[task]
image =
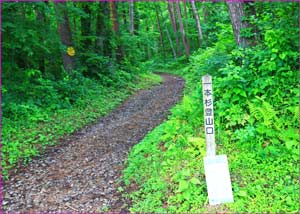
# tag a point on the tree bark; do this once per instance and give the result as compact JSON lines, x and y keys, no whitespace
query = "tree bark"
{"x":86,"y":25}
{"x":115,"y":22}
{"x":174,"y":26}
{"x":184,"y":39}
{"x":64,"y":33}
{"x":170,"y":41}
{"x":103,"y":32}
{"x":136,"y":19}
{"x":114,"y":17}
{"x":131,"y":14}
{"x":44,"y":24}
{"x":236,"y":11}
{"x":205,"y":13}
{"x":124,"y":14}
{"x":185,"y":17}
{"x":168,"y":35}
{"x":196,"y":15}
{"x":160,"y":31}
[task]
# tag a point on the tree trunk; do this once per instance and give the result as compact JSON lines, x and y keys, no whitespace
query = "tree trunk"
{"x":114,"y":17}
{"x":160,"y":31}
{"x":124,"y":14}
{"x":41,"y":18}
{"x":168,"y":35}
{"x":136,"y":19}
{"x":186,"y":22}
{"x":131,"y":14}
{"x":195,"y":11}
{"x":205,"y":13}
{"x":64,"y":33}
{"x":86,"y":26}
{"x":236,"y":11}
{"x":115,"y":22}
{"x":149,"y":54}
{"x":171,"y":43}
{"x":184,"y":39}
{"x":174,"y":26}
{"x":103,"y":32}
{"x":185,"y":17}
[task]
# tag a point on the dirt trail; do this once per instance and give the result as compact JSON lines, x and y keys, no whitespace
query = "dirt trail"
{"x":82,"y":172}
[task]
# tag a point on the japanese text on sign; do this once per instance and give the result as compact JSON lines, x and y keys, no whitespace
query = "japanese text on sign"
{"x":208,"y":114}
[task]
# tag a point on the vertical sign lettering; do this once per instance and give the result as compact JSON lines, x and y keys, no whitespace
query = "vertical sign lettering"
{"x":215,"y":166}
{"x":208,"y":115}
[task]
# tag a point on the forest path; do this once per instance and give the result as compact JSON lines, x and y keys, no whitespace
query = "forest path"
{"x":82,"y":172}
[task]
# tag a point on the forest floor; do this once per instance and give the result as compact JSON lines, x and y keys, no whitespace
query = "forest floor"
{"x":82,"y":172}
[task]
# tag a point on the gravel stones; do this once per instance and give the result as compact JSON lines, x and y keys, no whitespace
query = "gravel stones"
{"x":81,"y":173}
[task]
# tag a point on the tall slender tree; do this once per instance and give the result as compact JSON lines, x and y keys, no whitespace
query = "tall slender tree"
{"x":236,"y":11}
{"x":168,"y":33}
{"x":115,"y":23}
{"x":131,"y":14}
{"x":43,"y":22}
{"x":160,"y":30}
{"x":103,"y":31}
{"x":64,"y":33}
{"x":174,"y":26}
{"x":185,"y":16}
{"x":184,"y":39}
{"x":86,"y":25}
{"x":198,"y":25}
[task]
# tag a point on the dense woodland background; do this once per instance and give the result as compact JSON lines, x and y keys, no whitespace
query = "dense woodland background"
{"x":65,"y":64}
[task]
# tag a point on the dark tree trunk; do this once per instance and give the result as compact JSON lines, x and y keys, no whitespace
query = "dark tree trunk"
{"x":205,"y":13}
{"x":168,"y":34}
{"x":149,"y":54}
{"x":41,"y":19}
{"x":184,"y":39}
{"x":64,"y":33}
{"x":136,"y":19}
{"x":236,"y":11}
{"x":185,"y":17}
{"x":195,"y":11}
{"x":131,"y":14}
{"x":115,"y":22}
{"x":114,"y":17}
{"x":103,"y":32}
{"x":86,"y":25}
{"x":159,"y":29}
{"x":124,"y":14}
{"x":174,"y":26}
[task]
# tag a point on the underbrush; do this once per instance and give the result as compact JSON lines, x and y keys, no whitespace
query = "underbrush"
{"x":256,"y":99}
{"x":49,"y":110}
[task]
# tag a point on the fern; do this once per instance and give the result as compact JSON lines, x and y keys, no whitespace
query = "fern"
{"x":264,"y":111}
{"x":254,"y":110}
{"x":268,"y":113}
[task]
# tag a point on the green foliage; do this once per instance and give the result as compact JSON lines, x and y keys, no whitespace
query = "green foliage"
{"x":256,"y":96}
{"x":256,"y":99}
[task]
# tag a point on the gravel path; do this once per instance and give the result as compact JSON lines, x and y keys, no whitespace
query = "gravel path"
{"x":82,"y":172}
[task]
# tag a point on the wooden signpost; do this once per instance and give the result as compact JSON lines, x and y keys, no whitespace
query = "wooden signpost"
{"x":216,"y":166}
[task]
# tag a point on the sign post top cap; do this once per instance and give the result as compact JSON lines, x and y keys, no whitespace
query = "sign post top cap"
{"x":206,"y":78}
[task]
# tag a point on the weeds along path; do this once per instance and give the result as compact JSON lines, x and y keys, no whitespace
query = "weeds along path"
{"x":81,"y":173}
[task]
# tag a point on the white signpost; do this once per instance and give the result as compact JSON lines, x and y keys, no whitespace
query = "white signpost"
{"x":216,"y":166}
